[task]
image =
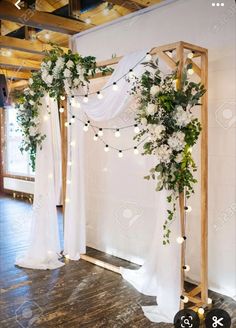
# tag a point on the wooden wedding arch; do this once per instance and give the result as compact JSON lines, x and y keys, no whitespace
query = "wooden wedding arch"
{"x":172,"y":54}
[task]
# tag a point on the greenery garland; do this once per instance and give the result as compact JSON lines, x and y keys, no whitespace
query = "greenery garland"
{"x":166,"y":115}
{"x":60,"y":73}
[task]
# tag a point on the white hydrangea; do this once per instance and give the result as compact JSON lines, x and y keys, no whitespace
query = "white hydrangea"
{"x":143,"y":121}
{"x":176,"y":141}
{"x":154,"y":90}
{"x":76,"y":82}
{"x":151,"y":109}
{"x":32,"y":93}
{"x":67,"y":73}
{"x":179,"y":158}
{"x":182,"y":117}
{"x":163,"y":153}
{"x":80,"y":70}
{"x":156,"y":131}
{"x":31,"y":102}
{"x":30,"y":81}
{"x":70,"y":64}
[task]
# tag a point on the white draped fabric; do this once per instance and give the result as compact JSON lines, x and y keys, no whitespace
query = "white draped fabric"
{"x":44,"y":246}
{"x":99,"y":183}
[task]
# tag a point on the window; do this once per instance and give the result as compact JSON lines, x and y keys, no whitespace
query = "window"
{"x":16,"y":163}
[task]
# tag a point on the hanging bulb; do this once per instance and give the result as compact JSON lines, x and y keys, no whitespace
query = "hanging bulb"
{"x":95,"y":138}
{"x":186,"y":268}
{"x":209,"y":301}
{"x":120,"y":154}
{"x":117,"y":133}
{"x":180,"y":240}
{"x":184,"y":299}
{"x":136,"y":128}
{"x":72,"y":120}
{"x":85,"y":128}
{"x":115,"y":86}
{"x":188,"y":209}
{"x":62,"y":97}
{"x":171,"y":53}
{"x":88,"y":122}
{"x":61,"y":109}
{"x":136,"y":152}
{"x":99,"y":95}
{"x":190,"y":71}
{"x":66,"y":124}
{"x":190,"y":55}
{"x":85,"y":99}
{"x":88,"y":20}
{"x":106,"y":148}
{"x":201,"y":311}
{"x":100,"y":132}
{"x":148,"y":56}
{"x":131,"y":74}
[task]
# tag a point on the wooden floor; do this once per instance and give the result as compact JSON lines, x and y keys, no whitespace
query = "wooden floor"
{"x":76,"y":295}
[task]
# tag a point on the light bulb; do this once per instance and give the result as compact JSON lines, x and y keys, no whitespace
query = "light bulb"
{"x":131,"y":74}
{"x":88,"y":20}
{"x":148,"y":56}
{"x":95,"y":138}
{"x":68,"y":181}
{"x":72,"y":143}
{"x":67,"y":256}
{"x":180,"y":240}
{"x":136,"y":128}
{"x":85,"y":128}
{"x":62,"y":97}
{"x":186,"y":268}
{"x":171,"y":53}
{"x":99,"y":95}
{"x":120,"y":154}
{"x":201,"y":311}
{"x":61,"y":109}
{"x":117,"y":133}
{"x":100,"y":132}
{"x":188,"y":209}
{"x":85,"y":98}
{"x":136,"y":152}
{"x":190,"y":71}
{"x":106,"y":148}
{"x":209,"y":301}
{"x":72,"y":120}
{"x":115,"y":86}
{"x":69,"y":163}
{"x":190,"y":55}
{"x":184,"y":299}
{"x":66,"y":124}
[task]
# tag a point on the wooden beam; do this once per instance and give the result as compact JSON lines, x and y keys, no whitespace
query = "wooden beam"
{"x":17,"y":62}
{"x":18,"y":85}
{"x":36,"y":47}
{"x":130,"y":5}
{"x":40,"y":20}
{"x":11,"y":74}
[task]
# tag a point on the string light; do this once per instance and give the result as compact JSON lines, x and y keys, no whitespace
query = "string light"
{"x":61,"y":109}
{"x":190,"y":55}
{"x":100,"y":132}
{"x":120,"y":154}
{"x":188,"y":209}
{"x":184,"y":299}
{"x":88,"y":20}
{"x":95,"y":138}
{"x":62,"y":97}
{"x":209,"y":301}
{"x":117,"y":133}
{"x":148,"y":56}
{"x":186,"y":268}
{"x":85,"y":128}
{"x":201,"y":311}
{"x":136,"y":128}
{"x":85,"y":99}
{"x":99,"y":95}
{"x":115,"y":86}
{"x":72,"y":119}
{"x":136,"y":152}
{"x":66,"y":124}
{"x":106,"y":148}
{"x":131,"y":74}
{"x":180,"y":240}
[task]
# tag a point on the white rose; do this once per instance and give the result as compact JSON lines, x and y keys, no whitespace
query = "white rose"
{"x":179,"y":158}
{"x":33,"y":131}
{"x":31,"y":102}
{"x":30,"y":81}
{"x":154,"y":89}
{"x":182,"y":117}
{"x":143,"y":121}
{"x":49,"y":79}
{"x":49,"y":63}
{"x":163,"y":153}
{"x":31,"y":93}
{"x":67,"y":73}
{"x":151,"y":109}
{"x":69,"y":64}
{"x":176,"y":141}
{"x":76,"y":81}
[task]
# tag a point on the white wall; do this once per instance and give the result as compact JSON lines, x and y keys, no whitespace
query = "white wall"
{"x":194,"y":21}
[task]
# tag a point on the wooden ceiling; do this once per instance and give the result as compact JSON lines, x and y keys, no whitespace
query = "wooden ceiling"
{"x":26,"y":32}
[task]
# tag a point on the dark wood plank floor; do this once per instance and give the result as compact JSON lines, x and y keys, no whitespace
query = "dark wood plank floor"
{"x":76,"y":295}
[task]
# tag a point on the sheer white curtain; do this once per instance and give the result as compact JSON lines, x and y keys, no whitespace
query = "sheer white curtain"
{"x":44,"y":246}
{"x":99,"y":185}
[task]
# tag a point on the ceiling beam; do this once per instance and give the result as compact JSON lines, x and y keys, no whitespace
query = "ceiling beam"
{"x":18,"y":85}
{"x":17,"y":62}
{"x":39,"y":19}
{"x":11,"y":74}
{"x":36,"y":47}
{"x":130,"y":5}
